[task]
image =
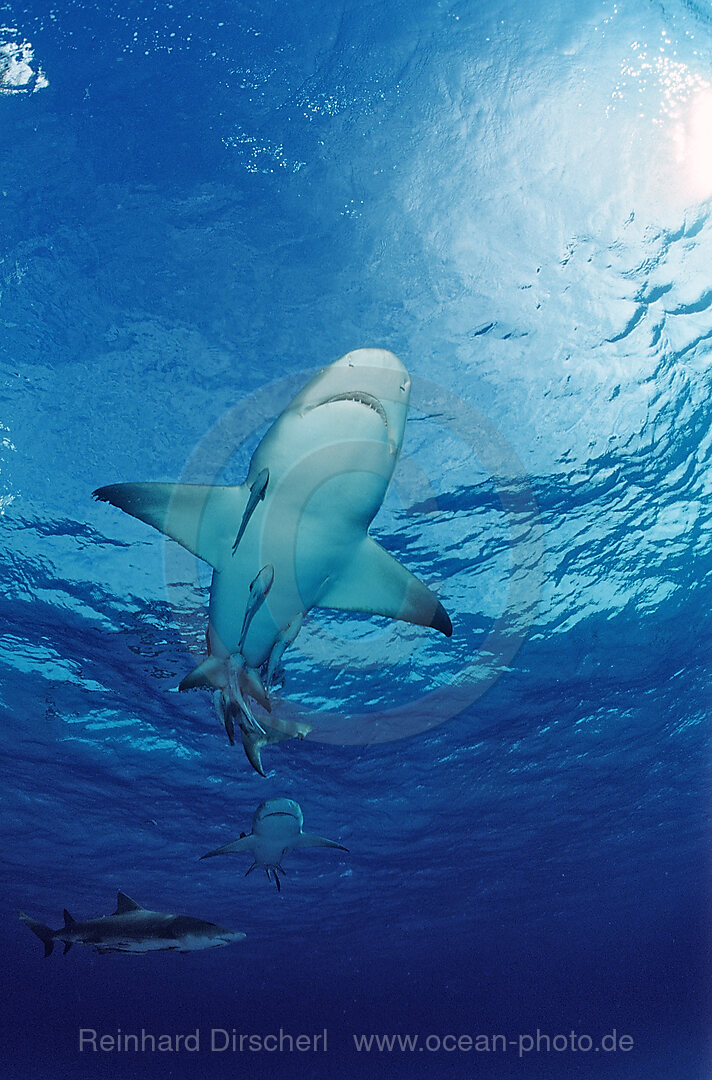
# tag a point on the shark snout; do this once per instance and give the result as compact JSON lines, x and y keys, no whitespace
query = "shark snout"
{"x":230,"y":936}
{"x":374,"y":359}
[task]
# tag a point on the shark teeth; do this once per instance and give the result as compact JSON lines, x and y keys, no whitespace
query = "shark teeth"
{"x":360,"y":397}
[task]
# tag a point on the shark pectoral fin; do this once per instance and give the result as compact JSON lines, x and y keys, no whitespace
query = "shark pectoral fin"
{"x":200,"y":517}
{"x":211,"y":673}
{"x":243,"y":844}
{"x":309,"y":840}
{"x":376,"y":583}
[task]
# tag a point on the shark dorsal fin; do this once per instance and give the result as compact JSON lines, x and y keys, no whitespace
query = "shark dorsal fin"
{"x":124,"y":903}
{"x":68,"y":920}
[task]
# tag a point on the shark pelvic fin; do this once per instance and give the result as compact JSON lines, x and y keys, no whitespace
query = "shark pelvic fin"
{"x":214,"y":673}
{"x":67,"y":947}
{"x":210,"y":673}
{"x":125,"y":904}
{"x":200,"y":517}
{"x":376,"y":583}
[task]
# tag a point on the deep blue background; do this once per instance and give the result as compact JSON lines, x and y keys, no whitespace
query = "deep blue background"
{"x":512,"y":197}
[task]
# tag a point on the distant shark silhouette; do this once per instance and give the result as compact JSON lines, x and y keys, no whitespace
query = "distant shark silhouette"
{"x":276,"y":830}
{"x":133,"y":929}
{"x":294,"y":535}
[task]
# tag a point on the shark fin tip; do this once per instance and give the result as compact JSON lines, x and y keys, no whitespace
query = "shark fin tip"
{"x":441,"y":621}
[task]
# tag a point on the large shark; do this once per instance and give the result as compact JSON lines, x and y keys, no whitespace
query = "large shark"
{"x":133,"y":929}
{"x":295,"y":534}
{"x":276,"y":830}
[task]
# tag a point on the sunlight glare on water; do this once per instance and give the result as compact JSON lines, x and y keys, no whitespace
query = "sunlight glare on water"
{"x":672,"y":100}
{"x":694,"y":144}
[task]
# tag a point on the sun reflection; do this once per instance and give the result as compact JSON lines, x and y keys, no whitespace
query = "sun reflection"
{"x":677,"y":99}
{"x":693,"y":137}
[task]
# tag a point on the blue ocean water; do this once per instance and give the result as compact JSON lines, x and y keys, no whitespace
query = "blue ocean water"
{"x":201,"y":204}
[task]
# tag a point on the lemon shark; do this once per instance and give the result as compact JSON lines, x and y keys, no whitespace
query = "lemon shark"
{"x":276,"y":830}
{"x":295,"y":535}
{"x":134,"y":929}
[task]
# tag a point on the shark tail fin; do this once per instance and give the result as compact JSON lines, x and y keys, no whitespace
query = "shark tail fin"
{"x":202,"y":518}
{"x":43,"y":932}
{"x":309,"y":840}
{"x":252,"y":744}
{"x":243,"y":844}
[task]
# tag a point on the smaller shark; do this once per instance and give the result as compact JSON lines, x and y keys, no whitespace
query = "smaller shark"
{"x":134,"y":929}
{"x":276,"y":830}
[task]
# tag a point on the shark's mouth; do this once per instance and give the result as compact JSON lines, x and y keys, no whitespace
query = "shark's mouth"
{"x":361,"y":398}
{"x":280,"y":813}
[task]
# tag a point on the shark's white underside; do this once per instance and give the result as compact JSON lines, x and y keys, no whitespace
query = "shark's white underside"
{"x":295,"y":534}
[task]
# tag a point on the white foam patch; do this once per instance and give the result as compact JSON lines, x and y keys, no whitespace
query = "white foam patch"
{"x":19,"y":73}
